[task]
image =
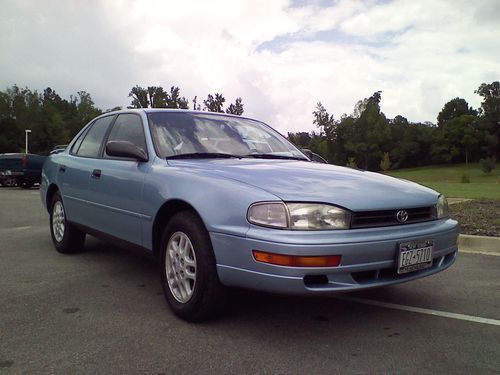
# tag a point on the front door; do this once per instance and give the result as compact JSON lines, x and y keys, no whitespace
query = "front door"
{"x":115,"y":185}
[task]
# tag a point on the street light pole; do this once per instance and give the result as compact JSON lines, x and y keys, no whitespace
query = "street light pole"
{"x":26,"y":132}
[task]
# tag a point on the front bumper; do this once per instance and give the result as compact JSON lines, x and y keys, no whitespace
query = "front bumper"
{"x":368,"y":257}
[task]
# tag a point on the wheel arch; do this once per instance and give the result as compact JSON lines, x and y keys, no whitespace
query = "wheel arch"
{"x":52,"y":189}
{"x":163,"y":216}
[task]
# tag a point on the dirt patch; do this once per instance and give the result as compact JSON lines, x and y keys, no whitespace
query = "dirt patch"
{"x":478,"y":217}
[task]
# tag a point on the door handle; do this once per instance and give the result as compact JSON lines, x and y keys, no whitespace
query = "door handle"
{"x":96,"y":173}
{"x":62,"y":168}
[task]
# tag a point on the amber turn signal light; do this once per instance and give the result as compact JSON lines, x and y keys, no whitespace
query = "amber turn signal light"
{"x":296,"y":260}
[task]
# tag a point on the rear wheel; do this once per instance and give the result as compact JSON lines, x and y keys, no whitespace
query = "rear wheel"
{"x":10,"y":182}
{"x":188,"y":272}
{"x":66,"y":237}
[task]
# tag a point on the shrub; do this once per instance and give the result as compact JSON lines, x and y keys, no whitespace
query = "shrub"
{"x":487,"y":165}
{"x":351,"y":163}
{"x":385,"y":163}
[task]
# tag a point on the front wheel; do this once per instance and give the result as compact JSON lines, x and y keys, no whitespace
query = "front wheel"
{"x":188,"y":271}
{"x":25,"y":184}
{"x":66,"y":237}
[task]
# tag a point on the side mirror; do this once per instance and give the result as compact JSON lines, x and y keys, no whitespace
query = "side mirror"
{"x":307,"y":152}
{"x":318,"y":158}
{"x":126,"y":149}
{"x":314,"y":156}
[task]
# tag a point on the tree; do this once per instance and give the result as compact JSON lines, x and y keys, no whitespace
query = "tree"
{"x":454,"y":108}
{"x":463,"y":136}
{"x":324,"y":121}
{"x":236,"y":109}
{"x":214,"y":104}
{"x":300,"y":139}
{"x":196,"y":106}
{"x":371,"y":132}
{"x":86,"y":107}
{"x":490,"y":117}
{"x":10,"y":135}
{"x":52,"y":119}
{"x":174,"y":100}
{"x":157,"y":97}
{"x":139,"y":97}
{"x":325,"y":142}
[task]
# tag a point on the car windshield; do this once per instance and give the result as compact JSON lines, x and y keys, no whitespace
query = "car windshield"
{"x":205,"y":135}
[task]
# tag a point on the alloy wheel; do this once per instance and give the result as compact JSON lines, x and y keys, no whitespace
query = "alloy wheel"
{"x":180,"y":267}
{"x":58,"y":221}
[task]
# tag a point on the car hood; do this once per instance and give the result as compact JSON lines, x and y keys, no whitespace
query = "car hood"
{"x":313,"y":182}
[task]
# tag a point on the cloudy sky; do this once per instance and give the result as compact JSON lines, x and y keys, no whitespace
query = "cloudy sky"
{"x":280,"y":56}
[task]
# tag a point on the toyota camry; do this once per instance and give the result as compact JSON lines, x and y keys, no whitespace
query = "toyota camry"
{"x":226,"y":201}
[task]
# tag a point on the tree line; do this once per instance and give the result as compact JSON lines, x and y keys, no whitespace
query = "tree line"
{"x":51,"y":119}
{"x":367,"y":139}
{"x":157,"y":97}
{"x":54,"y":120}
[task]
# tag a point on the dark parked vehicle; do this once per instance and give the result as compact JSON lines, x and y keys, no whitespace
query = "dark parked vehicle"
{"x":23,"y":170}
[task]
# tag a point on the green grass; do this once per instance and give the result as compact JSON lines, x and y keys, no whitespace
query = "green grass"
{"x":447,"y":180}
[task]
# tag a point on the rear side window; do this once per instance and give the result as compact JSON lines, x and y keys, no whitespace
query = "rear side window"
{"x":128,"y":127}
{"x":78,"y":142}
{"x":91,"y":144}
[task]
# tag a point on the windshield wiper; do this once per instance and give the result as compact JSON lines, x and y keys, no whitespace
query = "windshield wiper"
{"x":275,"y":156}
{"x":204,"y":155}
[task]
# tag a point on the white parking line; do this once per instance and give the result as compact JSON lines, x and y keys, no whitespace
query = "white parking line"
{"x":444,"y":314}
{"x":479,"y":252}
{"x":15,"y":229}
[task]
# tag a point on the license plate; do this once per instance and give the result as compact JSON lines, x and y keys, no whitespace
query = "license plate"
{"x":415,"y":255}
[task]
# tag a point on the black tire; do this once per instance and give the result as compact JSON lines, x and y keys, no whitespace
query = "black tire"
{"x":25,"y":184}
{"x":9,"y":182}
{"x":207,"y":295}
{"x":70,"y":240}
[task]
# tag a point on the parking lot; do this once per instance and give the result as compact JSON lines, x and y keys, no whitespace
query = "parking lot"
{"x":102,"y":311}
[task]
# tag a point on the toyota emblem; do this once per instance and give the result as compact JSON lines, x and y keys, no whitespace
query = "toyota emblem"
{"x":402,"y":216}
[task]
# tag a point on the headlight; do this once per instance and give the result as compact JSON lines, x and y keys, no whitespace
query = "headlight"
{"x":299,"y":216}
{"x":442,"y":207}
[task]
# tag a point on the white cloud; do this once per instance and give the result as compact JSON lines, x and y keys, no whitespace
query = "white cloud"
{"x":420,"y":54}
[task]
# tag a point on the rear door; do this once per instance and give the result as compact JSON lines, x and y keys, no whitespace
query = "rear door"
{"x":75,"y":168}
{"x":115,"y":187}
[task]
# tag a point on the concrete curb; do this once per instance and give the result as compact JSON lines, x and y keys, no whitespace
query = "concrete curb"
{"x":479,"y":244}
{"x":458,"y":200}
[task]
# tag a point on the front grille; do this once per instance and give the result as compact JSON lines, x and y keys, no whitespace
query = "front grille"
{"x":373,"y":219}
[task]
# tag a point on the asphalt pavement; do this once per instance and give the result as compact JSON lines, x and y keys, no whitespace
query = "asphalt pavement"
{"x":103,"y":311}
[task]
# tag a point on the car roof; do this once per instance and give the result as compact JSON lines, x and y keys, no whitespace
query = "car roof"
{"x":175,"y":110}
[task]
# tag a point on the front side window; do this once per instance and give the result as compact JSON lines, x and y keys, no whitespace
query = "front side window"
{"x":128,"y":127}
{"x":192,"y":133}
{"x":91,"y":144}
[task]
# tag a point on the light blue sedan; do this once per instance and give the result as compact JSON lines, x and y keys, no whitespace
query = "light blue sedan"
{"x":226,"y":201}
